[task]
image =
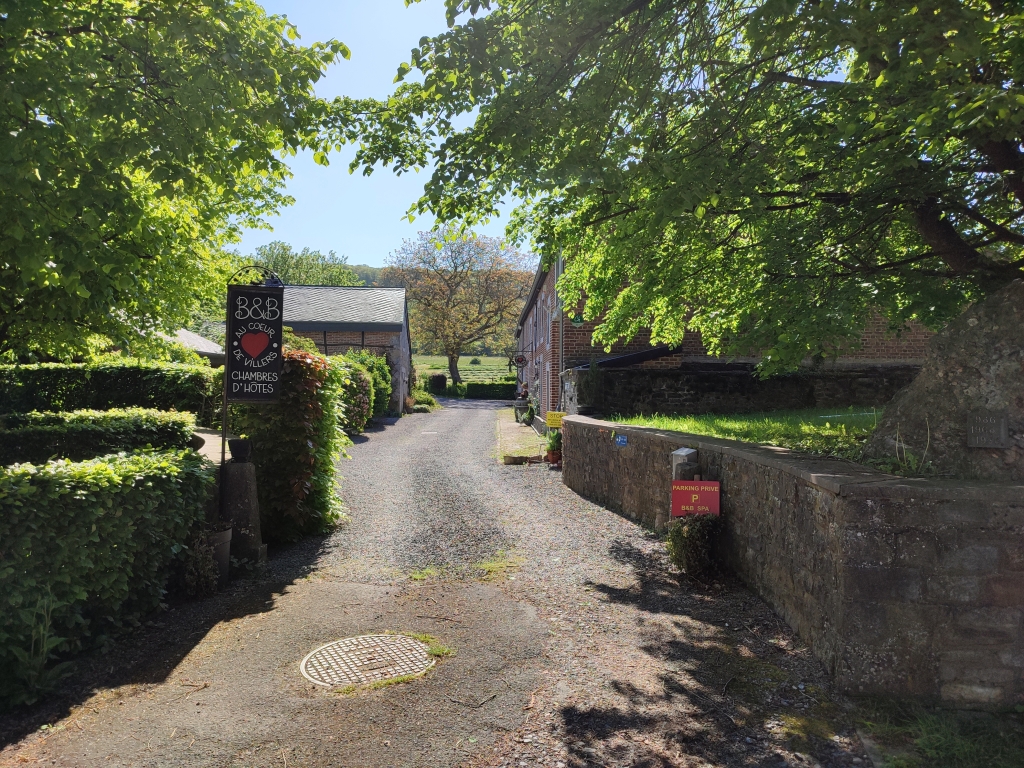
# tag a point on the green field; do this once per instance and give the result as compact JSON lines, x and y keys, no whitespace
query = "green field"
{"x":827,"y":431}
{"x":490,"y":368}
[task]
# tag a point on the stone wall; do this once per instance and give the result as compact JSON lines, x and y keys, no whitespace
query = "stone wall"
{"x":900,"y":586}
{"x":723,"y":388}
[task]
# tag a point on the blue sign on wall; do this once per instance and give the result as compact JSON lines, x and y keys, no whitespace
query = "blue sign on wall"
{"x":620,"y":441}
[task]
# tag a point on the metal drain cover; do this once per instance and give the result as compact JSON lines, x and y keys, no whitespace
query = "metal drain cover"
{"x":366,"y":659}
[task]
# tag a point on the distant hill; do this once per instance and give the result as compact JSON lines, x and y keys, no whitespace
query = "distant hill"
{"x":371,"y":276}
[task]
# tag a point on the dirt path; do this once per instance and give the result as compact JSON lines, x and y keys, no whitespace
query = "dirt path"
{"x":575,"y":643}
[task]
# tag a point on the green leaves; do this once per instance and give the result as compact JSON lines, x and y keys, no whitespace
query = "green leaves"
{"x":748,"y":169}
{"x":136,"y":139}
{"x":74,"y":571}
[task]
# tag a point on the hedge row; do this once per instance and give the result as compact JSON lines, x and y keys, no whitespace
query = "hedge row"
{"x":100,"y":386}
{"x":85,"y":549}
{"x":296,"y":442}
{"x":380,"y":371}
{"x":356,"y":394}
{"x":490,"y":391}
{"x":37,"y":437}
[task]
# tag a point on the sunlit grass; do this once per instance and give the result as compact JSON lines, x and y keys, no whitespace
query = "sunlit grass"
{"x":822,"y":431}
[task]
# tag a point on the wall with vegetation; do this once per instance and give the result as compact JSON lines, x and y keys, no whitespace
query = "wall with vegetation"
{"x":911,"y":587}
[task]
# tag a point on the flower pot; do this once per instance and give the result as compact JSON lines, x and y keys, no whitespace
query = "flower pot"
{"x":241,"y":449}
{"x":553,"y":457}
{"x":220,"y":541}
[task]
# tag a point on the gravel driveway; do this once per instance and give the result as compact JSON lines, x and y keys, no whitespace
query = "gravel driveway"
{"x":576,"y":644}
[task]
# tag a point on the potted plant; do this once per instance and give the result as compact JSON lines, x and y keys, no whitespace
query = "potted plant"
{"x":554,"y":454}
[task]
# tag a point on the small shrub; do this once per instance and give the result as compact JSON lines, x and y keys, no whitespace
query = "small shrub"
{"x":296,"y":443}
{"x":490,"y":390}
{"x":691,"y":542}
{"x":299,"y":343}
{"x":554,"y":440}
{"x":438,"y":383}
{"x":85,"y":550}
{"x":424,"y":398}
{"x":78,"y":435}
{"x":380,"y":371}
{"x":422,"y":409}
{"x":115,"y":383}
{"x":357,"y":395}
{"x":456,"y":390}
{"x":200,"y":570}
{"x":475,"y":361}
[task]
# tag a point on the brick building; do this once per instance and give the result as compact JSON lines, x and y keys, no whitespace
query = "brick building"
{"x":555,"y":340}
{"x":339,"y":319}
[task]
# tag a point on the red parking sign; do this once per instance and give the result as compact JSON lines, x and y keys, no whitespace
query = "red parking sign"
{"x":695,"y":497}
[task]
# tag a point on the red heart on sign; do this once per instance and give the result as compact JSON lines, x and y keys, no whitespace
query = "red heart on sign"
{"x":254,"y":343}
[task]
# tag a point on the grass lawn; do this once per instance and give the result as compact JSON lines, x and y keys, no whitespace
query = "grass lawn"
{"x":490,"y":368}
{"x":823,"y":431}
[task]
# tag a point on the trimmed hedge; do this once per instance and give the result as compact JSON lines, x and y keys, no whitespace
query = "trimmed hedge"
{"x":490,"y":391}
{"x":380,"y":371}
{"x":357,"y":395}
{"x":114,"y":384}
{"x":85,"y":550}
{"x":296,"y":443}
{"x":455,"y":390}
{"x":437,"y":383}
{"x":78,"y":435}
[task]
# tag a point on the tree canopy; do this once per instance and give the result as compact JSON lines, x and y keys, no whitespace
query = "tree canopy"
{"x":462,"y":288}
{"x":305,"y":267}
{"x":137,"y":137}
{"x":768,"y":172}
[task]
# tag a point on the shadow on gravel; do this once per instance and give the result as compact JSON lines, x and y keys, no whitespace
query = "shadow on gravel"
{"x":730,"y":674}
{"x":150,"y":654}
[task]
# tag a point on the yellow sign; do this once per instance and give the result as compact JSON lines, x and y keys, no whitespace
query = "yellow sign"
{"x":554,"y":419}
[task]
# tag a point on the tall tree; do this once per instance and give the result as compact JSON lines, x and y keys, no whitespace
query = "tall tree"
{"x":305,"y":267}
{"x":136,"y":138}
{"x":463,"y":287}
{"x":768,"y":172}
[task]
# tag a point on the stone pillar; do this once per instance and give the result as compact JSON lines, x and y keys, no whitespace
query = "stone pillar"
{"x":242,"y":510}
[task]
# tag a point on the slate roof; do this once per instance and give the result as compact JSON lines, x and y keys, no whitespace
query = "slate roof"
{"x":194,"y":341}
{"x":330,"y":308}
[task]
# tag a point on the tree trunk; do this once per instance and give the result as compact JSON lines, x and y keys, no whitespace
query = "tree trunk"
{"x":453,"y":367}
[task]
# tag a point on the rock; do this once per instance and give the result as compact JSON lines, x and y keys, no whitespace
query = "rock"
{"x":974,"y":366}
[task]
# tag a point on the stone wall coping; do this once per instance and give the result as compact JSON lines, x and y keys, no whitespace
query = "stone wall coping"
{"x":844,"y":478}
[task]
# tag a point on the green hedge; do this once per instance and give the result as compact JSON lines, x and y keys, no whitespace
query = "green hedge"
{"x":380,"y":371}
{"x":357,"y":395}
{"x":114,"y":384}
{"x":85,"y":549}
{"x":455,"y":390}
{"x":490,"y":391}
{"x":78,"y":435}
{"x":296,"y":443}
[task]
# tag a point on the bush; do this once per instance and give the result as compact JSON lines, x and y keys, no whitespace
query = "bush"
{"x":437,"y":383}
{"x":296,"y":442}
{"x":78,"y":435}
{"x":85,"y":550}
{"x":420,"y":397}
{"x":475,"y":361}
{"x":455,"y":390}
{"x":357,"y":395}
{"x":490,"y":391}
{"x":380,"y":371}
{"x":110,"y":384}
{"x":691,"y":542}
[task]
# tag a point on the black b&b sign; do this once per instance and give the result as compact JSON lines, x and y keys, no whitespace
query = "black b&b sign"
{"x":253,"y":342}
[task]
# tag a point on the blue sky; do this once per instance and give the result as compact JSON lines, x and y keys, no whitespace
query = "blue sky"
{"x":361,"y":217}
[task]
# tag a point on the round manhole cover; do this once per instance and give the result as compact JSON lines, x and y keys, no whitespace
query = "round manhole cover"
{"x":366,"y":659}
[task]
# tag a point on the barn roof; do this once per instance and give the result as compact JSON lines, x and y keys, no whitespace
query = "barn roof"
{"x":333,"y":308}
